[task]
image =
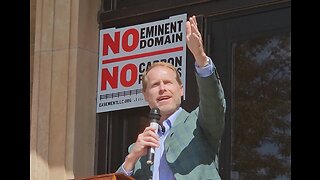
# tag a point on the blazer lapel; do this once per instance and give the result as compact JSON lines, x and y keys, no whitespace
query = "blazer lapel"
{"x":181,"y":117}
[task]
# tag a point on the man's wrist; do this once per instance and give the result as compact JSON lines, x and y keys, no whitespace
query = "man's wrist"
{"x":129,"y":162}
{"x":202,"y":60}
{"x":207,"y":70}
{"x":123,"y":170}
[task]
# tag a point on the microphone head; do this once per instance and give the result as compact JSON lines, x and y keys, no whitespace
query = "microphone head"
{"x":154,"y":114}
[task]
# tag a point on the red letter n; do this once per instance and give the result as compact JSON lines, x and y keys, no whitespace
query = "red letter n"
{"x":109,"y":42}
{"x":107,"y":77}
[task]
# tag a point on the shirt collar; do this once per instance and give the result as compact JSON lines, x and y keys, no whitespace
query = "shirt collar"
{"x":169,"y":122}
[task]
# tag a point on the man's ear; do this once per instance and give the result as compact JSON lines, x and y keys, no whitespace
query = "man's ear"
{"x":181,"y":90}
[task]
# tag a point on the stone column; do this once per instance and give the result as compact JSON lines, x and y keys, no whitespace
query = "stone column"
{"x":64,"y":81}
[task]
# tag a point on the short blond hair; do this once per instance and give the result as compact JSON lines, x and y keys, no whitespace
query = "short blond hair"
{"x":164,"y":64}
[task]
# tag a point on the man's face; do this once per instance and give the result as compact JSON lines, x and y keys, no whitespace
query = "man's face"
{"x":163,"y":91}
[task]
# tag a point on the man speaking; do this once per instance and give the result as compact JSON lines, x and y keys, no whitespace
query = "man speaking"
{"x":186,"y":144}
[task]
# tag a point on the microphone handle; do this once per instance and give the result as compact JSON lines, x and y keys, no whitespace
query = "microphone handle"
{"x":151,"y":150}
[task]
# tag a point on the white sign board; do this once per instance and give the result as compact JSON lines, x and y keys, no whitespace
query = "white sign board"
{"x":125,"y":54}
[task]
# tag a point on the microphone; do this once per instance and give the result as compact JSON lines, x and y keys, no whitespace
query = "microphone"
{"x":154,"y":117}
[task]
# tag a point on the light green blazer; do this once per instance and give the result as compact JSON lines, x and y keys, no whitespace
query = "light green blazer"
{"x":192,"y":144}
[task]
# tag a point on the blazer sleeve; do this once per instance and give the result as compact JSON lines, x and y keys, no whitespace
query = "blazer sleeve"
{"x":212,"y":107}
